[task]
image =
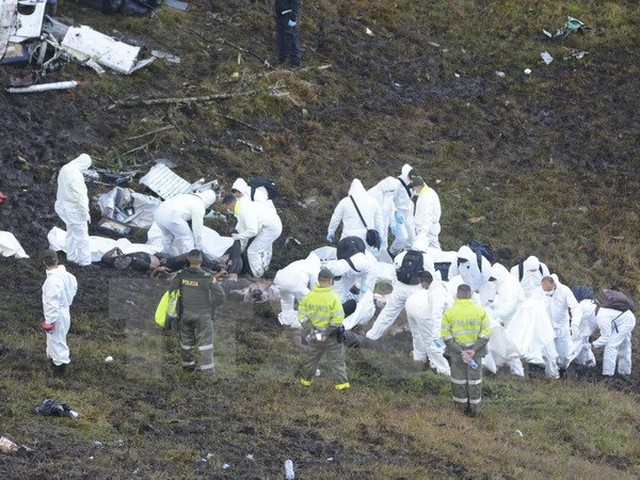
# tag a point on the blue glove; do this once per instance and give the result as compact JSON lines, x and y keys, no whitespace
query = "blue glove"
{"x":330,"y":237}
{"x":383,"y":241}
{"x":292,"y":23}
{"x":364,"y":289}
{"x":399,"y":217}
{"x":394,"y":230}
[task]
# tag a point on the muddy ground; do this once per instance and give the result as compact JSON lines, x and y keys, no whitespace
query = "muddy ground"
{"x":397,"y":100}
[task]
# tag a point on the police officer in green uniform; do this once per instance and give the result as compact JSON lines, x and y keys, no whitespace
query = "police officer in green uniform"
{"x":200,"y":292}
{"x":465,"y":331}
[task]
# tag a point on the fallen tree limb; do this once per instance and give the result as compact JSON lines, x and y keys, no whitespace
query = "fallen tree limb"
{"x":157,"y":130}
{"x":248,"y":125}
{"x":178,"y":100}
{"x":224,"y":41}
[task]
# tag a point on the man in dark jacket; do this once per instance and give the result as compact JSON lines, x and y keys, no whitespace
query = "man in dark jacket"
{"x":199,"y":294}
{"x":286,"y":31}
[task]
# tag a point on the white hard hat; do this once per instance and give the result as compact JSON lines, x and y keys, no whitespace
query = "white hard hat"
{"x":207,"y":196}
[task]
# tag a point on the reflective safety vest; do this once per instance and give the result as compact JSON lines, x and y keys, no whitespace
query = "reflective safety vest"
{"x":321,"y":307}
{"x":465,"y":321}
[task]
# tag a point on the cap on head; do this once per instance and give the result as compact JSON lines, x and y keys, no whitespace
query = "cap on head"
{"x":207,"y":196}
{"x":325,"y":274}
{"x":195,"y":253}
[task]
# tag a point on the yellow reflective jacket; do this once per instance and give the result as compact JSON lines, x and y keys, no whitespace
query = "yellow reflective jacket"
{"x":321,"y":307}
{"x":466,"y":323}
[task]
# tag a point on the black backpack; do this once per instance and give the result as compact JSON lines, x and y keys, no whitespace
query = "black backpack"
{"x":349,"y":246}
{"x":412,"y":265}
{"x":614,"y":299}
{"x":481,"y":249}
{"x":267,"y":183}
{"x":582,"y":292}
{"x":521,"y":270}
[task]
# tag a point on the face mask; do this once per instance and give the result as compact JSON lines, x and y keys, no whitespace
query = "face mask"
{"x":550,"y":293}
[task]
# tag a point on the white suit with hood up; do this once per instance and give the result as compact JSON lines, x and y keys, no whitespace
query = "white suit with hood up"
{"x":294,"y":282}
{"x":532,"y":272}
{"x":406,"y":232}
{"x":476,"y":277}
{"x":72,"y":206}
{"x":260,"y":222}
{"x":392,"y":198}
{"x":364,"y":275}
{"x":346,"y":213}
{"x":172,"y":216}
{"x":261,"y":194}
{"x":58,"y":292}
{"x":427,"y":215}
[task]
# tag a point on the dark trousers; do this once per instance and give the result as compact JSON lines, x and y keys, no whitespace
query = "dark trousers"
{"x":287,"y":41}
{"x":334,"y":352}
{"x":466,"y":385}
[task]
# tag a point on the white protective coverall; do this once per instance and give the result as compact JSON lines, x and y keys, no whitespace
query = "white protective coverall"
{"x":398,"y":298}
{"x":172,"y":216}
{"x":72,"y":206}
{"x":295,"y":281}
{"x":508,"y":299}
{"x":588,"y":327}
{"x":58,"y":291}
{"x":260,"y":222}
{"x":476,"y":277}
{"x":405,"y":232}
{"x":532,"y":272}
{"x":363,"y":274}
{"x":427,"y":215}
{"x":346,"y":213}
{"x":615,"y":336}
{"x":424,"y":315}
{"x":565,"y":314}
{"x":261,"y":194}
{"x":384,"y":193}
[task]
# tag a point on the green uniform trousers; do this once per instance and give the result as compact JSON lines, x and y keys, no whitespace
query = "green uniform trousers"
{"x":335,"y":357}
{"x":197,"y":330}
{"x":466,"y":385}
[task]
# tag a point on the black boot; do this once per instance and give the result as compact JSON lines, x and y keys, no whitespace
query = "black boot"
{"x":60,"y":370}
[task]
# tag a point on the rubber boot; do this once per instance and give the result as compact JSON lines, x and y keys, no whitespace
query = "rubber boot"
{"x":60,"y":370}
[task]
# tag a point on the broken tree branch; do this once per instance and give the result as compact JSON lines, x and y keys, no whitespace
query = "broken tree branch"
{"x":157,"y":130}
{"x":248,"y":125}
{"x":178,"y":100}
{"x":224,"y":41}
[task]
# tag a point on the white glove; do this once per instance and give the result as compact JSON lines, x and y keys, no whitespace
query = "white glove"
{"x":235,"y":236}
{"x":291,"y":23}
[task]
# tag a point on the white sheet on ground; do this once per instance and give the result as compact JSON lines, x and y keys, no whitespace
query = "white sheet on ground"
{"x":9,"y":246}
{"x":531,"y":331}
{"x":501,"y":349}
{"x":99,"y":245}
{"x":213,"y":244}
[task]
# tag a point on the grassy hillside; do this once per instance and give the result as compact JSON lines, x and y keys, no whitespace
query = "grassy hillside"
{"x":542,"y":163}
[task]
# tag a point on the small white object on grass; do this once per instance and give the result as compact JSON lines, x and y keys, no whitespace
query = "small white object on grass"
{"x":109,"y":359}
{"x":527,"y":71}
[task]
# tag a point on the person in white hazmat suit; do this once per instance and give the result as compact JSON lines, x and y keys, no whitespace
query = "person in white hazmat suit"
{"x":360,"y":270}
{"x":58,"y":292}
{"x":474,"y":275}
{"x":256,"y":221}
{"x":424,"y":315}
{"x":408,"y":283}
{"x":565,"y":314}
{"x":427,"y":213}
{"x":294,"y":282}
{"x":241,"y":188}
{"x":396,"y":207}
{"x":615,"y":336}
{"x":346,"y":213}
{"x":72,"y":206}
{"x":173,"y":215}
{"x":405,"y":234}
{"x":508,"y":299}
{"x":529,"y":273}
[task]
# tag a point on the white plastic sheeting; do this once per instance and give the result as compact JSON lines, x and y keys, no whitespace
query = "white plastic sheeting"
{"x":363,"y":313}
{"x":9,"y":246}
{"x":99,"y":245}
{"x":113,"y":204}
{"x":531,"y":331}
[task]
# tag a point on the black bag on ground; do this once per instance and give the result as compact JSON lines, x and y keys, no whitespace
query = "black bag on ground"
{"x":373,"y":239}
{"x":349,"y":246}
{"x":267,"y":183}
{"x":614,"y":299}
{"x":412,"y":264}
{"x":481,"y":249}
